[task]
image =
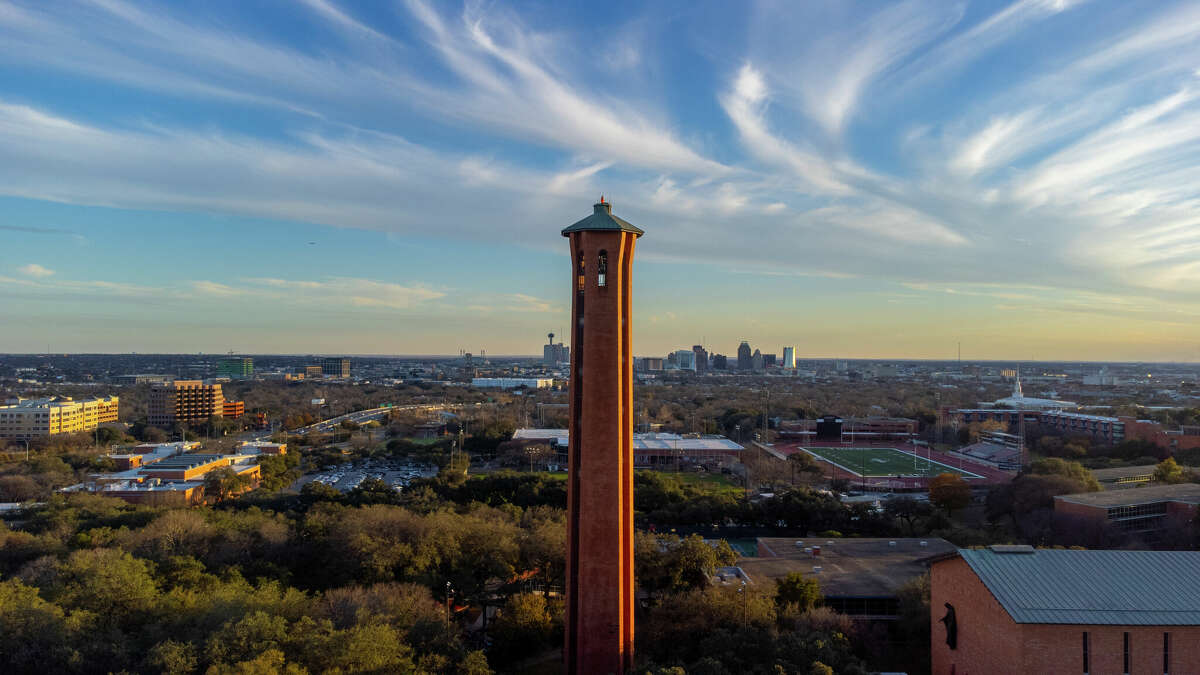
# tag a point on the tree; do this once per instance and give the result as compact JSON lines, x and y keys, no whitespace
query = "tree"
{"x":223,"y":482}
{"x":1168,"y":471}
{"x":523,"y":628}
{"x":803,"y":463}
{"x":798,"y":590}
{"x":949,"y":491}
{"x":909,"y":510}
{"x":1052,"y":466}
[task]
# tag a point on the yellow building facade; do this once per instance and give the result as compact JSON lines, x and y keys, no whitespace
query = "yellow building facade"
{"x":24,"y":419}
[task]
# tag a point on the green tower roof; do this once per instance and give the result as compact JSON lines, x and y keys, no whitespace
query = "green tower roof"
{"x":602,"y":219}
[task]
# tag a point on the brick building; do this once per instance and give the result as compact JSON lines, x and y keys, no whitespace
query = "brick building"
{"x":1105,"y":430}
{"x":1144,"y":513}
{"x":185,"y":401}
{"x":1014,"y":609}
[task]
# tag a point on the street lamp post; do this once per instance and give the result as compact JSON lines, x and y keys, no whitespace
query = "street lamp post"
{"x":447,"y":605}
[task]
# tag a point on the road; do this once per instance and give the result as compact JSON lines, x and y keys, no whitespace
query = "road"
{"x":359,"y":417}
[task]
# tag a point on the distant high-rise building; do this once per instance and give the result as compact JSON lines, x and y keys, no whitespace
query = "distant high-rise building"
{"x":335,"y":367}
{"x":652,"y":363}
{"x":186,"y":401}
{"x":312,"y":372}
{"x":685,"y":359}
{"x":789,"y":358}
{"x":756,"y":361}
{"x":555,"y":354}
{"x":701,"y":358}
{"x":744,"y":356}
{"x":720,"y":362}
{"x":768,"y":360}
{"x":236,"y":367}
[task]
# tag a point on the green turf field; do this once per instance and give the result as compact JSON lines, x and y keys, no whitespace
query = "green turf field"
{"x":884,"y":462}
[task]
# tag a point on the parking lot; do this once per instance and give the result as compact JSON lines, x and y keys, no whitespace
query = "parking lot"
{"x":397,"y":473}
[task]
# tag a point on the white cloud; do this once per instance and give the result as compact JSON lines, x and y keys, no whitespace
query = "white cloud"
{"x":1076,"y":167}
{"x":358,"y":292}
{"x":35,"y":270}
{"x":216,"y":289}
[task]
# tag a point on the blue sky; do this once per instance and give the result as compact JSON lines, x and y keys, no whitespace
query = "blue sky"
{"x":858,"y":179}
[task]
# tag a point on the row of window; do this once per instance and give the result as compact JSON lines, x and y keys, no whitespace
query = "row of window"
{"x":1137,"y":511}
{"x":1127,"y":657}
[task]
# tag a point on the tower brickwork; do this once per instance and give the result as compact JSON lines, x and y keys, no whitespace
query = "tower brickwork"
{"x":600,"y":584}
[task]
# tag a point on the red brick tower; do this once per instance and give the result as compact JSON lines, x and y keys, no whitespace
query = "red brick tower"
{"x":600,"y":591}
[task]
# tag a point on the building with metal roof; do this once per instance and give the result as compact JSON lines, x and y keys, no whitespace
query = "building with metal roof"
{"x":1016,"y":609}
{"x":651,"y":448}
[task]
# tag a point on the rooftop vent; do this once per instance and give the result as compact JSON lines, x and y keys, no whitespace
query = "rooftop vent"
{"x":1010,"y":549}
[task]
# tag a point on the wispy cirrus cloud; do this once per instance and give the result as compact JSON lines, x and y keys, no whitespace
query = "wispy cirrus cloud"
{"x":915,"y":142}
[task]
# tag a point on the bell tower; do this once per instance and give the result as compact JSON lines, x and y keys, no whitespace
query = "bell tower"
{"x":600,"y":590}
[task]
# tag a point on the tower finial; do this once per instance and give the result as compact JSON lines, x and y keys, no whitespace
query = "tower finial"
{"x":601,"y":199}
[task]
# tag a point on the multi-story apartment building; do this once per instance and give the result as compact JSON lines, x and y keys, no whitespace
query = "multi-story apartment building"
{"x":185,"y":401}
{"x":312,"y":372}
{"x":23,"y":419}
{"x":335,"y":367}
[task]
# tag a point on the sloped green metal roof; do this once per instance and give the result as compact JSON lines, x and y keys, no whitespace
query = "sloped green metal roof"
{"x":602,"y":219}
{"x":1135,"y":588}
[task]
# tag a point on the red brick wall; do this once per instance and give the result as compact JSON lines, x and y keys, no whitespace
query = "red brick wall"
{"x":1064,"y":507}
{"x":989,"y":641}
{"x":600,"y":583}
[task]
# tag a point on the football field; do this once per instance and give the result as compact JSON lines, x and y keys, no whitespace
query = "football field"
{"x":884,"y":463}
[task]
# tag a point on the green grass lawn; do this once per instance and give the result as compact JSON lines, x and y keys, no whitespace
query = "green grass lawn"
{"x":884,"y":462}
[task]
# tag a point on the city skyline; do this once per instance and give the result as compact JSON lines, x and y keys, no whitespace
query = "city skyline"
{"x":860,"y":182}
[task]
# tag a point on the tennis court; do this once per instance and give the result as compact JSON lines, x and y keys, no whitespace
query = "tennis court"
{"x":884,"y":462}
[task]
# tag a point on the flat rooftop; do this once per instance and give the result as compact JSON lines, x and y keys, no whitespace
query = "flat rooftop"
{"x":654,"y":440}
{"x":185,"y":461}
{"x":1123,"y":472}
{"x":852,"y":568}
{"x":1188,"y":493}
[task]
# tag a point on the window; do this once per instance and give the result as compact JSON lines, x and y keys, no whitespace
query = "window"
{"x":579,"y":272}
{"x":1166,"y":653}
{"x":1086,"y":665}
{"x":1126,"y":671}
{"x":602,"y":268}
